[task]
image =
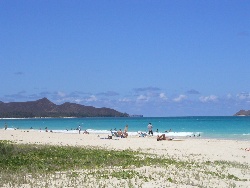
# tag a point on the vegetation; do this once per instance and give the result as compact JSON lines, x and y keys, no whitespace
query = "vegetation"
{"x":62,"y":166}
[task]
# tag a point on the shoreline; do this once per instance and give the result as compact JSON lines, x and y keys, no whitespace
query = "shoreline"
{"x":178,"y":135}
{"x":225,"y":149}
{"x":226,"y":128}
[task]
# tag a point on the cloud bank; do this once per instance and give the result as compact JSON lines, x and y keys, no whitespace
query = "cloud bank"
{"x":149,"y":101}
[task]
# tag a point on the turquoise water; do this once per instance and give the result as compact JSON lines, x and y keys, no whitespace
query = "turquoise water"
{"x":229,"y":127}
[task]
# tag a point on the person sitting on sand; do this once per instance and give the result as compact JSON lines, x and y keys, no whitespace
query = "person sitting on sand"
{"x":125,"y":132}
{"x":119,"y":133}
{"x":247,"y":149}
{"x":85,"y":132}
{"x":114,"y":133}
{"x":163,"y":137}
{"x":109,"y":137}
{"x":141,"y":134}
{"x":126,"y":128}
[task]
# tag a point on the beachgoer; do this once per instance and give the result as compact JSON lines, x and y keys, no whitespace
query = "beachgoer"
{"x":79,"y":129}
{"x":163,"y":137}
{"x":85,"y":132}
{"x":119,"y":133}
{"x":125,"y":132}
{"x":150,"y":129}
{"x":109,"y":137}
{"x":114,"y":133}
{"x":141,"y":134}
{"x":126,"y":128}
{"x":5,"y":126}
{"x":168,"y":131}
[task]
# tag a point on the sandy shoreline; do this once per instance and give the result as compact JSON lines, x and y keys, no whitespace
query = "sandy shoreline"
{"x":211,"y":149}
{"x":196,"y":149}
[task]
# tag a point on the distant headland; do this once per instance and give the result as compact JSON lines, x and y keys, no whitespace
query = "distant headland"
{"x":45,"y":108}
{"x":243,"y":113}
{"x":136,"y":115}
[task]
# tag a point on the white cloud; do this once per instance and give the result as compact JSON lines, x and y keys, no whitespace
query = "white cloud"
{"x":142,"y":98}
{"x":210,"y":98}
{"x":91,"y":98}
{"x":78,"y":100}
{"x":125,"y":100}
{"x":180,"y":98}
{"x":163,"y":96}
{"x":243,"y":96}
{"x":61,"y":94}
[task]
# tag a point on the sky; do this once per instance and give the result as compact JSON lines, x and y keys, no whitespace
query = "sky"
{"x":156,"y":58}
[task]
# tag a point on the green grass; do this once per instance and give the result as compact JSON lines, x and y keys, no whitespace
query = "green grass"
{"x":49,"y":158}
{"x":41,"y":158}
{"x":21,"y":162}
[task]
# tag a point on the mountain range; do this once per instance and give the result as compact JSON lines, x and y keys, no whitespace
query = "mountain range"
{"x":45,"y":108}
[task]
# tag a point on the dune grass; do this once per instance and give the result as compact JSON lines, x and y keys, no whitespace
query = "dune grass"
{"x":24,"y":163}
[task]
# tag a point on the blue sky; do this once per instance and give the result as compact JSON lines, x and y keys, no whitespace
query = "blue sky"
{"x":156,"y":58}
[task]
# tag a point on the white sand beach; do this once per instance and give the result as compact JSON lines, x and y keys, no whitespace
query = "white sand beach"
{"x":188,"y":149}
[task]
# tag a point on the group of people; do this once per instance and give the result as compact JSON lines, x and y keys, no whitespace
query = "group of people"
{"x":150,"y":131}
{"x":79,"y":130}
{"x":120,"y":133}
{"x":159,"y":137}
{"x":124,"y":133}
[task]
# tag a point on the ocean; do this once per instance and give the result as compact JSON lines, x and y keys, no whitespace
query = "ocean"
{"x":213,"y":127}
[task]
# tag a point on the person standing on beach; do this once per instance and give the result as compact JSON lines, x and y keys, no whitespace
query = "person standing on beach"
{"x":5,"y":126}
{"x":150,"y":129}
{"x":79,"y":129}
